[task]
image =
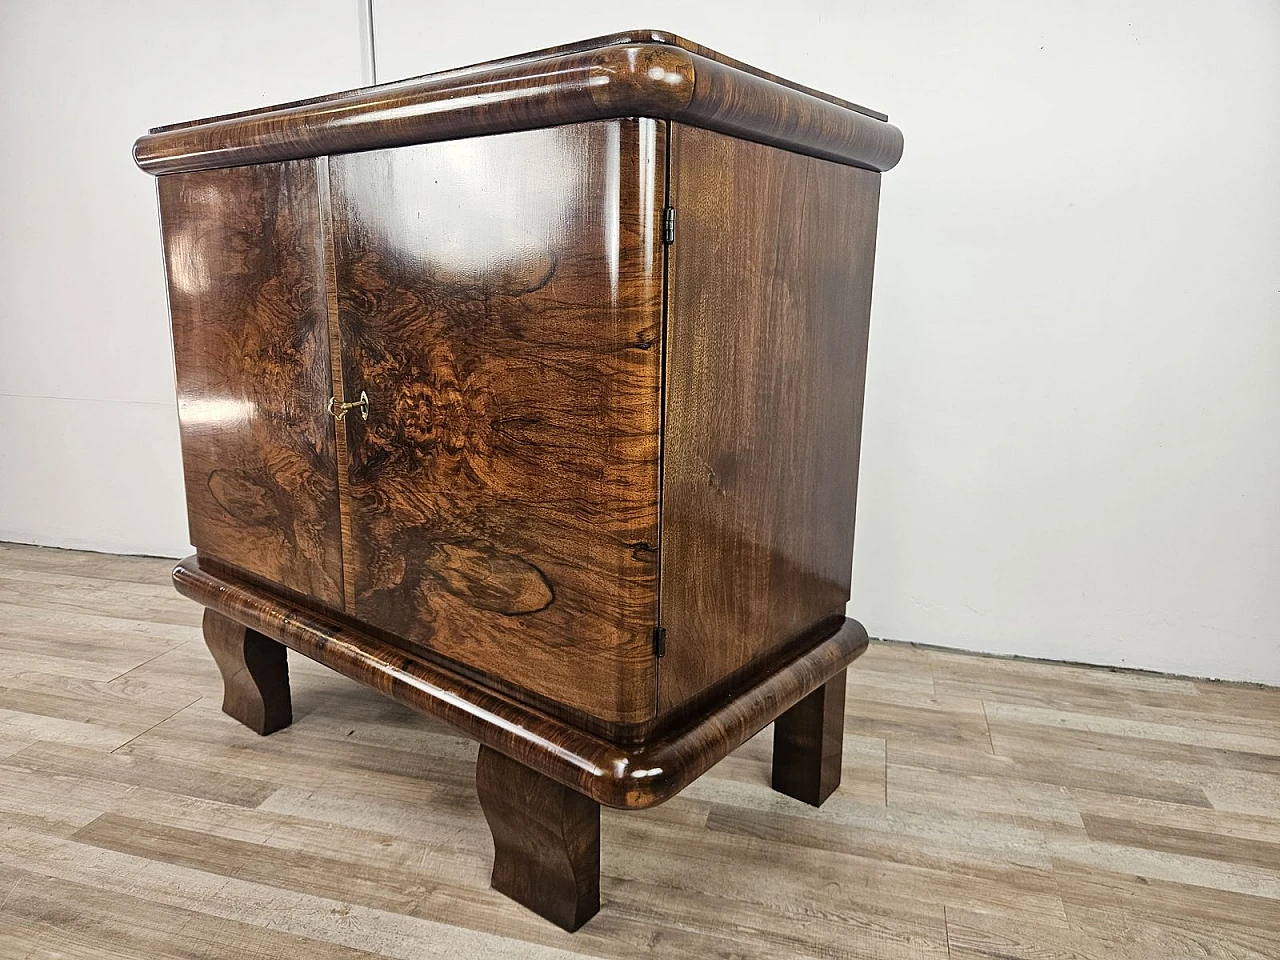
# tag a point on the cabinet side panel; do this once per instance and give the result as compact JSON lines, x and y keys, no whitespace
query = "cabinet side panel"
{"x":245,"y":268}
{"x":770,"y":293}
{"x":500,"y":303}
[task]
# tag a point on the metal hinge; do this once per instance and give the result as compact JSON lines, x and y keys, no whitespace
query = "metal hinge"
{"x":660,"y":641}
{"x":669,"y":225}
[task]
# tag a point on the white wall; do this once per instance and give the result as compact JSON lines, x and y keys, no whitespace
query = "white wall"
{"x":88,"y":423}
{"x":1072,"y":446}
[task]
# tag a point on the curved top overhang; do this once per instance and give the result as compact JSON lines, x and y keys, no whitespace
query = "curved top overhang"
{"x":634,"y":74}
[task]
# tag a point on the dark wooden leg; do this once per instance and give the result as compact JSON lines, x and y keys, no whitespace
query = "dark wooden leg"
{"x":807,"y":741}
{"x":255,"y":674}
{"x":546,"y":840}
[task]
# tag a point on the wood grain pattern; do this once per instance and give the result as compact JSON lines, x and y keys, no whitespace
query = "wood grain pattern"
{"x":770,"y":293}
{"x":807,"y":742}
{"x":480,"y":538}
{"x":356,"y":834}
{"x":642,"y":74}
{"x":245,"y":268}
{"x":624,"y":37}
{"x":500,"y":303}
{"x":255,"y":674}
{"x":546,"y":840}
{"x":616,"y":775}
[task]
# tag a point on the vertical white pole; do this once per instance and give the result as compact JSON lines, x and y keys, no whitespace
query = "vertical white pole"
{"x":368,"y":55}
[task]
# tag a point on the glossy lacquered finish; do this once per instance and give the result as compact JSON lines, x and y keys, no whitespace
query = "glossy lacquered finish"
{"x":769,"y":303}
{"x":546,"y":840}
{"x":255,"y":674}
{"x":623,"y":37}
{"x":615,"y":775}
{"x":500,"y":302}
{"x":505,"y":328}
{"x":245,"y":264}
{"x":530,"y":395}
{"x":644,"y":73}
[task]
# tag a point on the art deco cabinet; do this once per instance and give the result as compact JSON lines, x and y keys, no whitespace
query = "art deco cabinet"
{"x":530,"y":394}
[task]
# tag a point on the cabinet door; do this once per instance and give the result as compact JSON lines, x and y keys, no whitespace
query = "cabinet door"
{"x":500,"y":304}
{"x":247,"y":295}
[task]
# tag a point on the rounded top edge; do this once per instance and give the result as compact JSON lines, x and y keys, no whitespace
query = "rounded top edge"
{"x":893,"y":153}
{"x":654,"y":79}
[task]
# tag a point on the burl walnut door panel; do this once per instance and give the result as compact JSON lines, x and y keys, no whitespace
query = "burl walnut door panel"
{"x":247,"y":294}
{"x":500,"y":303}
{"x":769,"y":300}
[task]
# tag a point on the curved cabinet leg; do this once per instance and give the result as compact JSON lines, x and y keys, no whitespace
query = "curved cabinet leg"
{"x":546,"y":840}
{"x":807,"y":742}
{"x":255,"y":674}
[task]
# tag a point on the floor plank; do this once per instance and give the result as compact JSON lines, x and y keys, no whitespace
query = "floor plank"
{"x":990,"y":808}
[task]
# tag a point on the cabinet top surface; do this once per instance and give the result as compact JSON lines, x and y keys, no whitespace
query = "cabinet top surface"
{"x":461,"y":74}
{"x":637,"y":73}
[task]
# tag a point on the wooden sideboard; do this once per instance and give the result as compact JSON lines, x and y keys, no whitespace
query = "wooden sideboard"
{"x":530,"y":394}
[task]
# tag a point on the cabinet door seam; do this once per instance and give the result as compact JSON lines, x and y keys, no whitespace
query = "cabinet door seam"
{"x":335,"y":367}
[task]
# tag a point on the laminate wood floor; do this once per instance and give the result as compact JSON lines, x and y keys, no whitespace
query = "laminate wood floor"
{"x":990,"y":808}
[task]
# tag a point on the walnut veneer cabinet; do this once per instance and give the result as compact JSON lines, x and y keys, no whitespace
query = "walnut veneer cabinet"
{"x":530,"y":394}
